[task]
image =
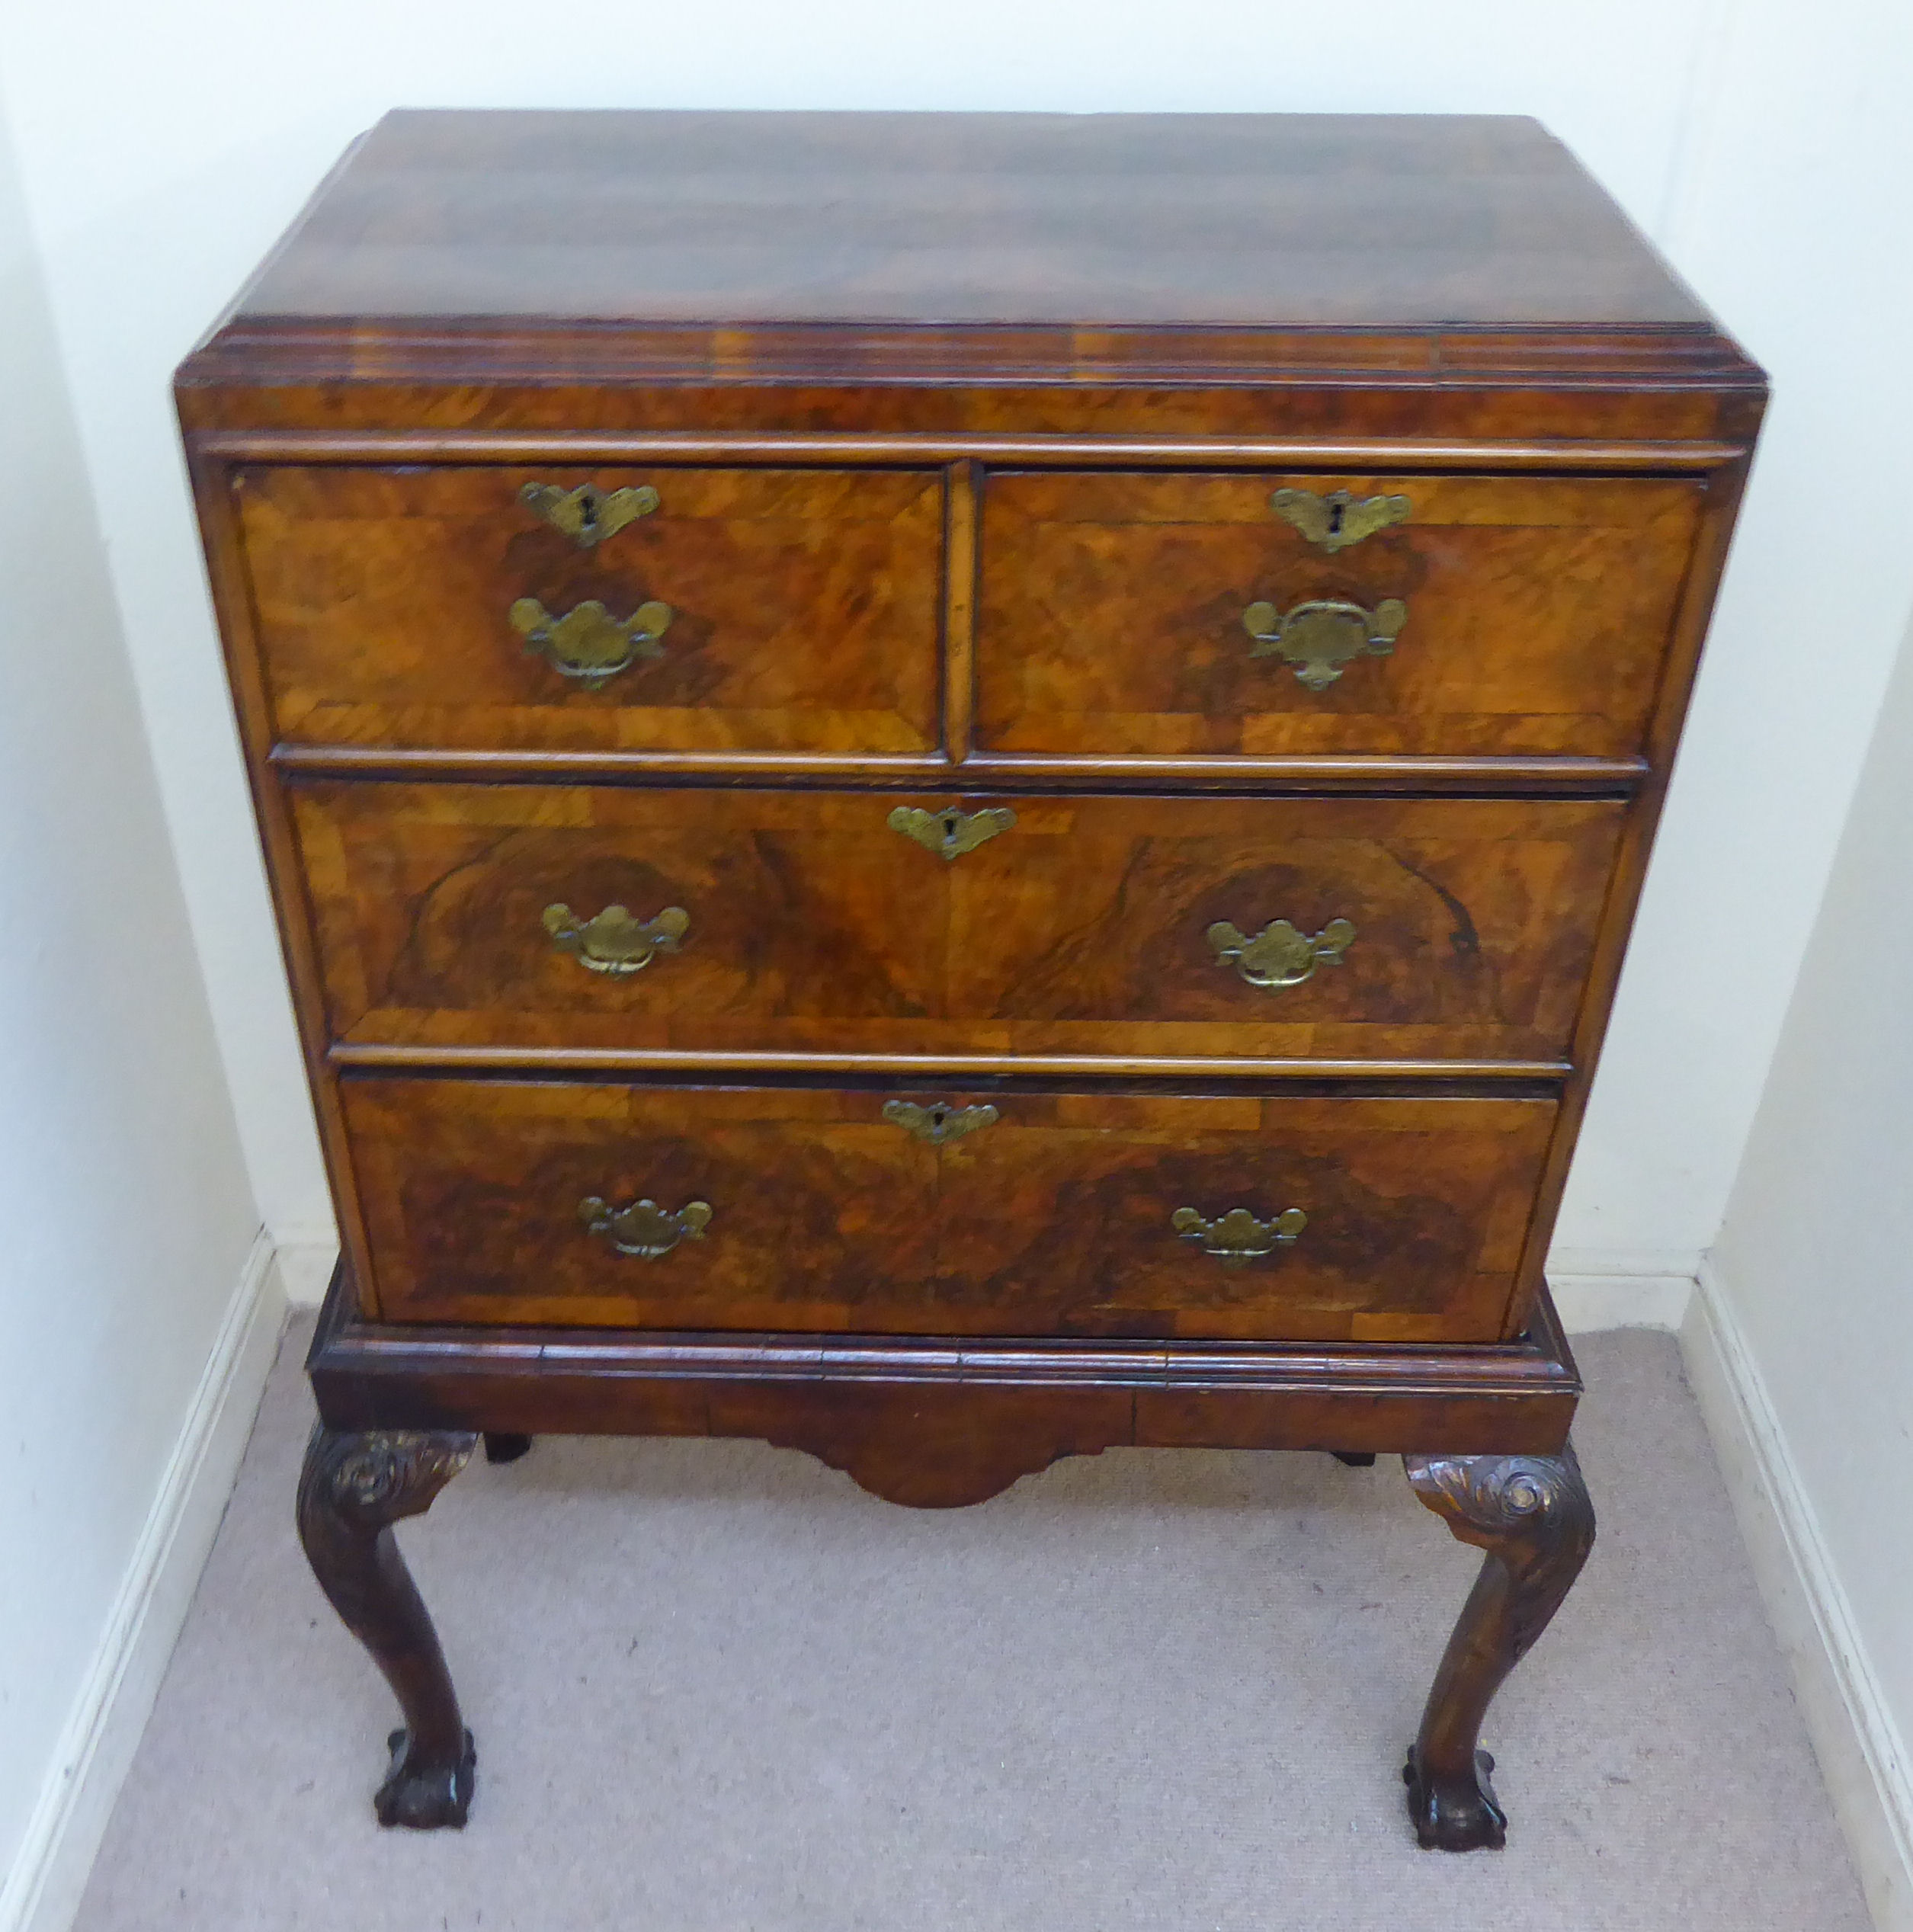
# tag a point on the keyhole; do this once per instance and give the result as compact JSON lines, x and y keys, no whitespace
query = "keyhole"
{"x":1334,"y":519}
{"x":951,"y":820}
{"x":938,"y":1115}
{"x":587,"y":509}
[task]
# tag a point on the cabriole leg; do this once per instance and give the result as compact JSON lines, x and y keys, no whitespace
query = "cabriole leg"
{"x":354,"y":1486}
{"x":1531,"y":1515}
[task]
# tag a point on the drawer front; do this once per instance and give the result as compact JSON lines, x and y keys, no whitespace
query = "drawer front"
{"x":465,"y":915}
{"x":1274,"y":1219}
{"x":424,"y":607}
{"x":1504,"y":616}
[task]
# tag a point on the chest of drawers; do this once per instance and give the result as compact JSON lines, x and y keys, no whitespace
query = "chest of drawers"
{"x":954,"y":789}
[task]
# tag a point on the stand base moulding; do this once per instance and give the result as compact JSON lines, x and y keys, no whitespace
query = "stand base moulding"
{"x":954,"y":789}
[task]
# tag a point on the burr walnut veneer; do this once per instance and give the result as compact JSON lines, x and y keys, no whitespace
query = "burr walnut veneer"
{"x":954,"y":789}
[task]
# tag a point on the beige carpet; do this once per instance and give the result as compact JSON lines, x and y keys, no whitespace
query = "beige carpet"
{"x":718,"y":1689}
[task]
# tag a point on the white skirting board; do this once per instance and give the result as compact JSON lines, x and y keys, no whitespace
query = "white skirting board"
{"x":305,"y":1261}
{"x":1864,"y":1760}
{"x":1593,"y":1288}
{"x":42,"y":1892}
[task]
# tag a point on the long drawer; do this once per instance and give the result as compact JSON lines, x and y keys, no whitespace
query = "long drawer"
{"x":702,"y":609}
{"x":1347,"y":615}
{"x":602,"y":916}
{"x":1015,"y":1213}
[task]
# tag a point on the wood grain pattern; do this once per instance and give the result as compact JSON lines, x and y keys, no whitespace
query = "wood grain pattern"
{"x":805,"y":607}
{"x":995,"y":1409}
{"x":1689,"y":633}
{"x":966,"y":427}
{"x":1321,"y":386}
{"x":929,"y":218}
{"x":1539,"y":610}
{"x":1054,"y":1220}
{"x":1574,"y":778}
{"x":1081,"y":930}
{"x":781,"y":448}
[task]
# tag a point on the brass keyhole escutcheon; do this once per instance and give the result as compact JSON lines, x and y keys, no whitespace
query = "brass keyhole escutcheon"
{"x":939,"y":1123}
{"x":1339,"y":519}
{"x":613,"y":941}
{"x":1237,"y":1236}
{"x":587,"y":515}
{"x":952,"y":831}
{"x":644,"y":1229}
{"x":1321,"y":637}
{"x":588,"y":643}
{"x":1280,"y":955}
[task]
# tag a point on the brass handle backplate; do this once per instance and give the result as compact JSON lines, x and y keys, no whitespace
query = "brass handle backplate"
{"x":588,"y":514}
{"x":588,"y":643}
{"x":1239,"y":1236}
{"x":937,"y":1124}
{"x":1321,"y":637}
{"x":1334,"y":521}
{"x":614,"y":941}
{"x":1278,"y":954}
{"x":644,"y":1228}
{"x":951,"y":832}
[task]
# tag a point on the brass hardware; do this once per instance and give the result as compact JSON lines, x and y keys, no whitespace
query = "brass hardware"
{"x":588,"y":514}
{"x":937,"y":1124}
{"x":1321,"y":637}
{"x":951,"y":832}
{"x":614,"y":942}
{"x":1333,"y":522}
{"x":588,"y":643}
{"x":644,"y":1228}
{"x":1278,"y":955}
{"x":1238,"y":1237}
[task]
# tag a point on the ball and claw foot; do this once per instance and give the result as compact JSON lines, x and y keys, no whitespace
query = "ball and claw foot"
{"x":426,"y":1796}
{"x":1455,"y":1817}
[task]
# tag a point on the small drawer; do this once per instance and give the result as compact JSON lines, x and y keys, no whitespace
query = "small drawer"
{"x":1265,"y":615}
{"x":605,"y":917}
{"x":693,"y":610}
{"x":1275,"y":1219}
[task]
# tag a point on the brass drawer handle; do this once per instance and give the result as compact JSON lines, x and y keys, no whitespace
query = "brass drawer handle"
{"x":588,"y":514}
{"x":1238,"y":1237}
{"x":938,"y":1124}
{"x":614,"y":941}
{"x":1278,"y":954}
{"x":951,"y":832}
{"x":588,"y":643}
{"x":644,"y":1228}
{"x":1333,"y":522}
{"x":1323,"y":636}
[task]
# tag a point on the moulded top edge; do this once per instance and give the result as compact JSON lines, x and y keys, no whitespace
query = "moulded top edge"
{"x":543,"y":351}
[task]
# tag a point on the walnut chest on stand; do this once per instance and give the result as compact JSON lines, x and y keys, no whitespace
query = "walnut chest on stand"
{"x":955,"y":789}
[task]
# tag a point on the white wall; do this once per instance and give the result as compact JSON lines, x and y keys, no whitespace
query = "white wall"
{"x":1815,"y":1262}
{"x":164,"y":150}
{"x":123,"y":1201}
{"x":1790,"y":216}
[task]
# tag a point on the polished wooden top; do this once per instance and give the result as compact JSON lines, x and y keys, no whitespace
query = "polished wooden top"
{"x":1386,"y":222}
